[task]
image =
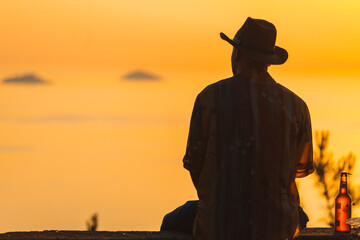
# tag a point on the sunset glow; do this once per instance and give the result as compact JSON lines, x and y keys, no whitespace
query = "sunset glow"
{"x":87,"y":140}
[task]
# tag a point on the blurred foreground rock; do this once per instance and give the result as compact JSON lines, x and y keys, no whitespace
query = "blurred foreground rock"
{"x":307,"y":234}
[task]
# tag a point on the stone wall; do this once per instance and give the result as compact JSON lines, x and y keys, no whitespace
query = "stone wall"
{"x":306,"y":234}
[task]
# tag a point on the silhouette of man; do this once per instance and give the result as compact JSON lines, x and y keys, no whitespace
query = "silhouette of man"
{"x":249,"y":139}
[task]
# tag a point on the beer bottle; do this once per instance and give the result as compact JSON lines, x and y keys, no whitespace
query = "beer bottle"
{"x":342,"y":206}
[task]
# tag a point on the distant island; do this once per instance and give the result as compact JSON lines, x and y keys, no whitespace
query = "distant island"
{"x":140,"y":75}
{"x":28,"y":78}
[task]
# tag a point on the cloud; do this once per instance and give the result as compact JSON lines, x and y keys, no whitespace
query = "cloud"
{"x":10,"y":148}
{"x":60,"y":118}
{"x":117,"y":119}
{"x":140,"y":75}
{"x":29,"y":78}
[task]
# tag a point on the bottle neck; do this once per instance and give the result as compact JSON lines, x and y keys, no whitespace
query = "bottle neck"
{"x":343,"y":188}
{"x":343,"y":184}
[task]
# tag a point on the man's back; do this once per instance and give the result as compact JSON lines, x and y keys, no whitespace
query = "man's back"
{"x":248,"y":140}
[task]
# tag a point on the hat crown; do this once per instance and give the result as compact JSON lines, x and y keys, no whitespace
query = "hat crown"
{"x":257,"y":34}
{"x":256,"y":39}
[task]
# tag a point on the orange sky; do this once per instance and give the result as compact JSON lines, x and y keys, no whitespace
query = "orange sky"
{"x":177,"y":35}
{"x":90,"y":142}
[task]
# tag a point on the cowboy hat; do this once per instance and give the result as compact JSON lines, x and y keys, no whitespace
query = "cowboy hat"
{"x":256,"y":39}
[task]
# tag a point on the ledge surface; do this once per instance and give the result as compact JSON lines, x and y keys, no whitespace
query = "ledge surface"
{"x":306,"y":234}
{"x":326,"y":234}
{"x":103,"y":235}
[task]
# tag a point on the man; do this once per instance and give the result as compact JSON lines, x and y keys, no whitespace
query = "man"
{"x":249,"y":139}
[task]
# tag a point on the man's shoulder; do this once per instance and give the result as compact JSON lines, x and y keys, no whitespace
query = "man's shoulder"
{"x":211,"y":88}
{"x":293,"y":95}
{"x":207,"y":97}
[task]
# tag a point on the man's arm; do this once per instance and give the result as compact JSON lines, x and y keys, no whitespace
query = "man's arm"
{"x":305,"y":165}
{"x":196,"y":145}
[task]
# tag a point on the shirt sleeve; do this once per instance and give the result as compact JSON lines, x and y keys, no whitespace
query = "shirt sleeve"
{"x":305,"y":164}
{"x":196,"y":144}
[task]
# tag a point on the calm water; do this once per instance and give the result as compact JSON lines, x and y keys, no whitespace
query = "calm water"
{"x":90,"y":143}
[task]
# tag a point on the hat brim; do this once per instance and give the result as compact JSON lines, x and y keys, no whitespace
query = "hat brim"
{"x":279,"y":56}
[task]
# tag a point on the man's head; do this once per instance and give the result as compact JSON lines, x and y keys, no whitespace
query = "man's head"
{"x":239,"y":60}
{"x":254,"y":44}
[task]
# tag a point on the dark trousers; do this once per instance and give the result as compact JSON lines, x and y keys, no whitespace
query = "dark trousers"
{"x":182,"y":218}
